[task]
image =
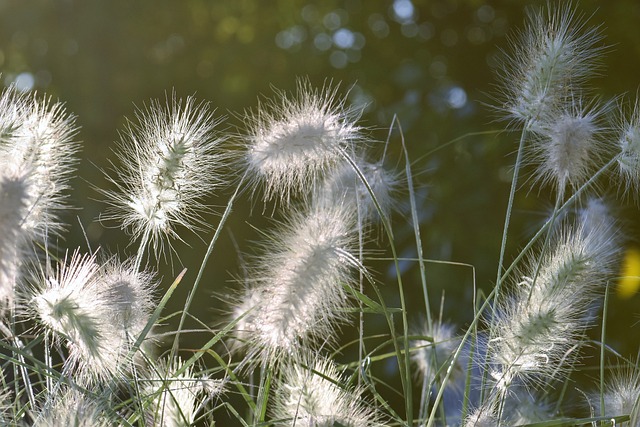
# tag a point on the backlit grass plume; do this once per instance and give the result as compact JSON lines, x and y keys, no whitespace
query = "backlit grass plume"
{"x":315,"y":396}
{"x":629,"y":151}
{"x":37,"y":152}
{"x":170,"y":162}
{"x":69,"y":407}
{"x":568,"y":149}
{"x":176,"y":395}
{"x":620,"y":397}
{"x":343,"y":185}
{"x":94,"y":340}
{"x":294,"y":139}
{"x":549,"y":62}
{"x":97,"y":311}
{"x":299,"y":283}
{"x":539,"y":328}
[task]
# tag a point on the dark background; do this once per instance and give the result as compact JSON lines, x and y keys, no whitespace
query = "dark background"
{"x":430,"y":63}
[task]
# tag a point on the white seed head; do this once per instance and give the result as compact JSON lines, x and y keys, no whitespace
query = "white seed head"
{"x":130,"y":295}
{"x":294,"y":140}
{"x":170,"y":162}
{"x":245,"y":313}
{"x":13,"y":211}
{"x":315,"y":396}
{"x":69,"y":407}
{"x":551,"y":59}
{"x":68,"y":304}
{"x":97,"y":311}
{"x":537,"y":328}
{"x":629,"y":153}
{"x":482,"y":417}
{"x":36,"y":156}
{"x":567,"y":149}
{"x":176,"y":395}
{"x":38,"y":142}
{"x":298,"y":287}
{"x":433,"y":354}
{"x":343,"y":186}
{"x":525,"y":407}
{"x":621,"y":395}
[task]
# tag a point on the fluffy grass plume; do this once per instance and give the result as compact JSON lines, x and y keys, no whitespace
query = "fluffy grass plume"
{"x":549,"y":61}
{"x":538,"y":328}
{"x":344,"y":186}
{"x":621,"y":395}
{"x":294,"y":140}
{"x":97,"y":311}
{"x":314,"y":396}
{"x":177,"y":395}
{"x":568,"y":148}
{"x":170,"y":162}
{"x":629,"y":151}
{"x":298,"y":286}
{"x":37,"y":152}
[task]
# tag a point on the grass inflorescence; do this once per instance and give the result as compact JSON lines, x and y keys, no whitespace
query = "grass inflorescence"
{"x":88,"y":339}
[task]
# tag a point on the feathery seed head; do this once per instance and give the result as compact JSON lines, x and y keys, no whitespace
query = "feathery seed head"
{"x":343,"y":185}
{"x":170,"y":160}
{"x":315,"y":397}
{"x":36,"y":154}
{"x":567,"y":147}
{"x":545,"y":317}
{"x":12,"y":107}
{"x":299,"y":283}
{"x":629,"y":152}
{"x":130,"y":295}
{"x":434,"y":353}
{"x":177,"y":395}
{"x":554,"y":55}
{"x":598,"y":225}
{"x":13,"y":210}
{"x":40,"y":144}
{"x":67,"y":304}
{"x":621,"y":395}
{"x":293,"y":141}
{"x":98,"y":311}
{"x":244,"y":312}
{"x":69,"y":407}
{"x":434,"y":359}
{"x":482,"y":417}
{"x":528,"y":408}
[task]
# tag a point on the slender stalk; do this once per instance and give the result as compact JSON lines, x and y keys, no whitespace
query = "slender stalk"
{"x":214,"y":239}
{"x":507,"y":219}
{"x":403,"y":362}
{"x":143,"y":244}
{"x":602,"y":348}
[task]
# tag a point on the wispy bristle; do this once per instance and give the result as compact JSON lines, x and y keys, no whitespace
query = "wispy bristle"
{"x":177,"y":395}
{"x":36,"y":156}
{"x":621,"y":395}
{"x":567,"y":149}
{"x":299,"y":285}
{"x":343,"y":186}
{"x":170,"y":163}
{"x":293,"y":141}
{"x":551,"y":59}
{"x":629,"y":152}
{"x":69,"y":407}
{"x":97,"y":311}
{"x":544,"y":319}
{"x":314,"y":396}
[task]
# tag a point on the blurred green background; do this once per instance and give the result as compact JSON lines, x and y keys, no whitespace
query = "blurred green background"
{"x":430,"y":63}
